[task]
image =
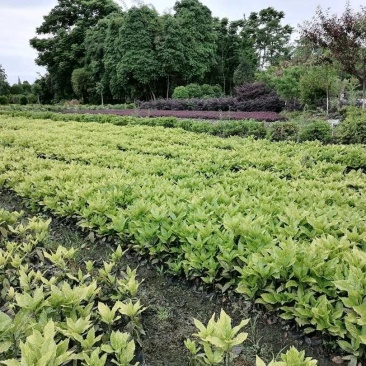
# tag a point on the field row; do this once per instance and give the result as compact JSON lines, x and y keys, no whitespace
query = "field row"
{"x":205,"y":115}
{"x":281,"y":223}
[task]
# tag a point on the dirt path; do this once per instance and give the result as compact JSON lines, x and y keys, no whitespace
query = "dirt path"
{"x":172,"y":305}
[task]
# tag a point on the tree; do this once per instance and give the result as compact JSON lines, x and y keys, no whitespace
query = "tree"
{"x":27,"y":88}
{"x":36,"y":90}
{"x":171,"y":55}
{"x":65,"y":27}
{"x":82,"y":83}
{"x":138,"y":42}
{"x":4,"y":85}
{"x":268,"y":36}
{"x":95,"y":60}
{"x":318,"y":83}
{"x":248,"y":64}
{"x":16,"y":89}
{"x":228,"y":54}
{"x":343,"y":36}
{"x":285,"y":79}
{"x":197,"y":38}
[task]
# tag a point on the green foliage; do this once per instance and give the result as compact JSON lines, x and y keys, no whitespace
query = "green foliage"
{"x":16,"y":89}
{"x":217,"y":339}
{"x":197,"y":91}
{"x":268,"y":36}
{"x":190,"y":202}
{"x":63,"y":49}
{"x":23,"y":100}
{"x":285,"y":80}
{"x":82,"y":83}
{"x":214,"y":344}
{"x":4,"y":85}
{"x":180,"y":92}
{"x":316,"y":131}
{"x":292,"y":357}
{"x":317,"y":84}
{"x":353,"y":129}
{"x":197,"y":37}
{"x":284,"y":131}
{"x":4,"y":100}
{"x":49,"y":307}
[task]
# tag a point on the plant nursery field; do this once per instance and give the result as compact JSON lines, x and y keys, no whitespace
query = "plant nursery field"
{"x":280,"y":223}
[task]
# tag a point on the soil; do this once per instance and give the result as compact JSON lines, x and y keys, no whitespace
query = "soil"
{"x":173,"y":303}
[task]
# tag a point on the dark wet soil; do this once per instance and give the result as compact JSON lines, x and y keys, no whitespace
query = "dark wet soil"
{"x":173,"y":303}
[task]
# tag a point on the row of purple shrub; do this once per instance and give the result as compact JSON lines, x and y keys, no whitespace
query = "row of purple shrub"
{"x":206,"y":115}
{"x":264,"y":104}
{"x":255,"y":97}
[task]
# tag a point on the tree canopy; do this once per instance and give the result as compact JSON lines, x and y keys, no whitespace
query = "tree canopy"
{"x":124,"y":54}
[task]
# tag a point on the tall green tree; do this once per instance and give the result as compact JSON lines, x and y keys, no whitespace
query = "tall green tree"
{"x":171,"y":56}
{"x":4,"y":85}
{"x":248,"y":64}
{"x":82,"y":84}
{"x":112,"y":56}
{"x":197,"y":38}
{"x":268,"y":36}
{"x":139,"y":67}
{"x":96,"y":43}
{"x":229,"y":54}
{"x":60,"y":44}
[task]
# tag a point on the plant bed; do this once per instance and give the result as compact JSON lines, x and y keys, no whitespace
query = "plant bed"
{"x":173,"y":303}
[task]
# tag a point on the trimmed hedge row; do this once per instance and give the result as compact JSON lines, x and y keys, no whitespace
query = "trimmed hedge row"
{"x":270,"y":103}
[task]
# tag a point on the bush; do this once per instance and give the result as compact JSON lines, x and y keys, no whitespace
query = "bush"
{"x":194,"y":91}
{"x":250,"y":91}
{"x":353,"y":129}
{"x":284,"y":131}
{"x":23,"y":100}
{"x":197,"y":91}
{"x":180,"y":92}
{"x":4,"y":100}
{"x":240,"y":128}
{"x":268,"y":104}
{"x":258,"y":97}
{"x":318,"y":130}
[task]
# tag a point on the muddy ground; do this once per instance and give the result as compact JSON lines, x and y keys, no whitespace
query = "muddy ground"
{"x":173,"y":303}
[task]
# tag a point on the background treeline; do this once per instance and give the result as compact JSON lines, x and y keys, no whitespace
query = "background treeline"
{"x":99,"y":52}
{"x":96,"y":50}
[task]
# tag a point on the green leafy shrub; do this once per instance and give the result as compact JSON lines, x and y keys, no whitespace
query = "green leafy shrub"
{"x":240,"y":128}
{"x":47,"y":302}
{"x":316,"y":131}
{"x":197,"y":91}
{"x":23,"y":100}
{"x":180,"y":92}
{"x":284,"y":131}
{"x":4,"y":100}
{"x":215,"y":342}
{"x":194,"y":91}
{"x":353,"y":129}
{"x":292,"y":357}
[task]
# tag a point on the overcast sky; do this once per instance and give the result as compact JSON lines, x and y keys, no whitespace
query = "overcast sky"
{"x":19,"y":19}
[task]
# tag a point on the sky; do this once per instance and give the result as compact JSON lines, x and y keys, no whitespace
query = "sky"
{"x":20,"y":18}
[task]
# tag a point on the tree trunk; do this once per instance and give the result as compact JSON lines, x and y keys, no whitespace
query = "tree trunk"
{"x":168,"y":87}
{"x":327,"y":99}
{"x":364,"y":83}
